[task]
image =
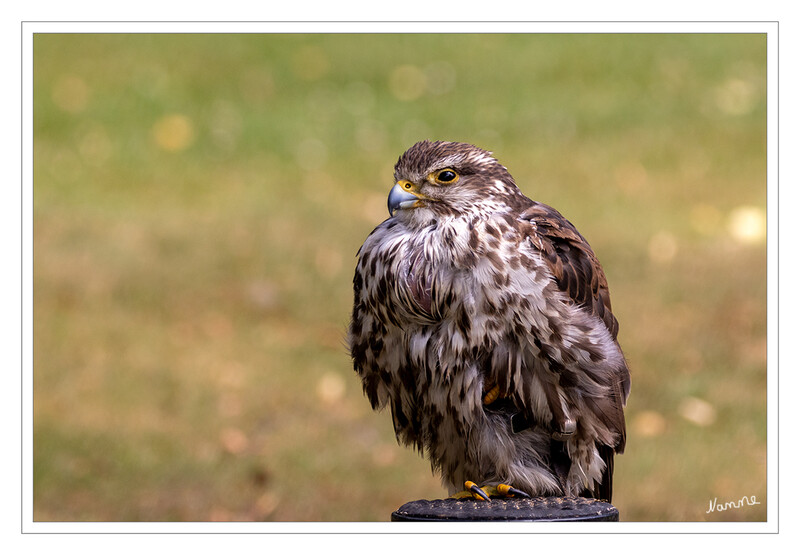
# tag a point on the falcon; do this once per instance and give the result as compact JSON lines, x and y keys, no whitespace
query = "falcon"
{"x":483,"y":320}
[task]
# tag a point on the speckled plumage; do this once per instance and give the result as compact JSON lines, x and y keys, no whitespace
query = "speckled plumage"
{"x":477,"y":286}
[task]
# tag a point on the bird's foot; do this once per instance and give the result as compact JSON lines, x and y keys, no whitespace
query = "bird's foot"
{"x":486,"y":493}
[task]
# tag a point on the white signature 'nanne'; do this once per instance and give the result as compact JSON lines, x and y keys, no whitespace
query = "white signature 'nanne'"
{"x":714,"y":506}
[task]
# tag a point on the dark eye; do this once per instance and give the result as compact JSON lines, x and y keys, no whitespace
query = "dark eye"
{"x":446,"y":176}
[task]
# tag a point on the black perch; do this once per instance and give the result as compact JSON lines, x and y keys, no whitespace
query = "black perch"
{"x":541,"y":509}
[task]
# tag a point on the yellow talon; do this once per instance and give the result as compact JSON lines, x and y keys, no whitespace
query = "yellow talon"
{"x":507,"y":491}
{"x":477,"y":492}
{"x":486,"y":493}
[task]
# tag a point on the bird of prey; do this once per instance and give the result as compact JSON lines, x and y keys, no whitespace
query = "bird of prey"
{"x":483,"y":320}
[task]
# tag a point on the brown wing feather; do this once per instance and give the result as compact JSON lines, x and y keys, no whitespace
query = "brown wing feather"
{"x":572,"y":261}
{"x":576,"y":270}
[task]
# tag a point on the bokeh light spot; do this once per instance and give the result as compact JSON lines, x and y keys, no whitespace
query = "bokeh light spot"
{"x":649,"y":423}
{"x":747,"y":224}
{"x":266,"y":505}
{"x":407,"y":82}
{"x":234,"y":441}
{"x":330,"y":388}
{"x":173,"y":133}
{"x":736,"y":97}
{"x":71,"y":94}
{"x":263,"y":295}
{"x":662,"y":247}
{"x":697,"y":411}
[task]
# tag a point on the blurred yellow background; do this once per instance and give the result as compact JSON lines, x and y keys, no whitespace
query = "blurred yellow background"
{"x":199,"y":201}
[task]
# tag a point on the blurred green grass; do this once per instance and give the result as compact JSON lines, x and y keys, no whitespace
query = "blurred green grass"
{"x":199,"y":200}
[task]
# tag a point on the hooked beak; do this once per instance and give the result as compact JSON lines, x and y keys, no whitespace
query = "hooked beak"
{"x":400,"y":198}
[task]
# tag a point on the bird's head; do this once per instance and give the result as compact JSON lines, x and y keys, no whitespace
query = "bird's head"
{"x":436,"y":179}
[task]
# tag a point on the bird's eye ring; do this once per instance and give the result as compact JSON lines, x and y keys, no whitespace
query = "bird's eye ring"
{"x":446,"y":176}
{"x":407,"y":185}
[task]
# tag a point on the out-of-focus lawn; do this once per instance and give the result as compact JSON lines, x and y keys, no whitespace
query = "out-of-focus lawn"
{"x":199,"y":200}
